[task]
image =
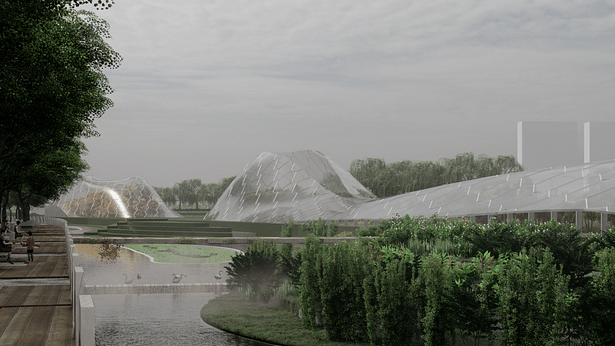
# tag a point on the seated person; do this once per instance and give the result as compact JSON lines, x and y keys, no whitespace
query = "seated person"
{"x":6,"y":246}
{"x":17,"y":229}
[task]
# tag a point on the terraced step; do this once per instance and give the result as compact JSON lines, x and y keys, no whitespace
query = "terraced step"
{"x":169,"y":234}
{"x":162,"y":228}
{"x":140,"y":223}
{"x":156,"y":226}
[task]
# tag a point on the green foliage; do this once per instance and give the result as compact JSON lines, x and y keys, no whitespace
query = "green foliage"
{"x":436,"y":281}
{"x":287,"y":231}
{"x":398,"y":300}
{"x":311,"y":271}
{"x":462,"y":238}
{"x":534,"y":298}
{"x":473,"y":302}
{"x":320,"y":228}
{"x":498,"y":238}
{"x":608,"y":238}
{"x":291,"y":264}
{"x":53,"y":89}
{"x":569,"y":247}
{"x":599,"y":300}
{"x":401,"y":286}
{"x":371,"y":291}
{"x":193,"y":191}
{"x":257,"y":268}
{"x":341,"y":291}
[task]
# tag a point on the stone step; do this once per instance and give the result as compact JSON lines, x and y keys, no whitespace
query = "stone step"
{"x":156,"y":288}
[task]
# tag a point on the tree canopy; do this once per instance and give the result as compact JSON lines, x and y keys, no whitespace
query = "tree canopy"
{"x":52,"y":88}
{"x":386,"y":180}
{"x":193,"y":192}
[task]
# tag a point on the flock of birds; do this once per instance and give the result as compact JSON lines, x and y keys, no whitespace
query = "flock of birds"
{"x":176,"y":278}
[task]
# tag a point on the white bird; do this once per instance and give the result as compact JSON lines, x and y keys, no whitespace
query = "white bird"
{"x":177,"y":278}
{"x":126,"y":281}
{"x":219,"y":275}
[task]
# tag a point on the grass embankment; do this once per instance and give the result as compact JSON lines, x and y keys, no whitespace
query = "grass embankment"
{"x":177,"y":253}
{"x":266,"y":322}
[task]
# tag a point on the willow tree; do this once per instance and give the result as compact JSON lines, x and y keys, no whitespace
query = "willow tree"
{"x":386,"y":180}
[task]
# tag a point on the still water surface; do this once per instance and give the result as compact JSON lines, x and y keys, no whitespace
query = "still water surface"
{"x":151,"y":319}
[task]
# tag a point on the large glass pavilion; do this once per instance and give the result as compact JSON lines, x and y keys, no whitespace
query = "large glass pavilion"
{"x":307,"y":185}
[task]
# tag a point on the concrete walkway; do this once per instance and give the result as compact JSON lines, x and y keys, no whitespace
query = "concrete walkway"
{"x":35,"y":304}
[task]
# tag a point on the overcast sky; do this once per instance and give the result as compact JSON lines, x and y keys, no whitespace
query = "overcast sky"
{"x":206,"y":86}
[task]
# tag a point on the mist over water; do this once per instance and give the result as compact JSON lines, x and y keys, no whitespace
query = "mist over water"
{"x":159,"y":319}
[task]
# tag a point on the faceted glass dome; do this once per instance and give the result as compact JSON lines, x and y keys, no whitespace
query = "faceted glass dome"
{"x":306,"y":185}
{"x":127,"y":198}
{"x":301,"y":185}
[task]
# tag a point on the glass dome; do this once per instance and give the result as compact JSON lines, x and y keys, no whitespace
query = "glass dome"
{"x":301,"y":185}
{"x":306,"y":185}
{"x":127,"y":198}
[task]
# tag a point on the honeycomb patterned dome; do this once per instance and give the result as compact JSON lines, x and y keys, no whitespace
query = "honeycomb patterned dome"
{"x":127,"y":198}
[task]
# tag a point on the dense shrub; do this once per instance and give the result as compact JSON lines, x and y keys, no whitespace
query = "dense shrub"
{"x":498,"y":238}
{"x":341,"y":291}
{"x":533,"y":299}
{"x":257,"y":270}
{"x":437,"y":312}
{"x":311,"y":272}
{"x":569,"y":247}
{"x":598,"y":307}
{"x":397,"y":301}
{"x":320,"y":228}
{"x":290,"y":262}
{"x":525,"y":284}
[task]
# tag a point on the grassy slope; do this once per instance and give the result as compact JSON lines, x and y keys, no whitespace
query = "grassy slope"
{"x":162,"y":253}
{"x":270,"y":323}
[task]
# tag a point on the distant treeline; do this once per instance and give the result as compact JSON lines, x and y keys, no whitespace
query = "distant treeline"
{"x":193,"y":192}
{"x":383,"y":179}
{"x":386,"y":180}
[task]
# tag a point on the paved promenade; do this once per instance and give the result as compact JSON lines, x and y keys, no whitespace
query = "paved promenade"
{"x":35,"y":304}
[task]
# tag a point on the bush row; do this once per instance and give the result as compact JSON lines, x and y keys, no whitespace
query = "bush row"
{"x":386,"y":295}
{"x":436,"y":281}
{"x":468,"y":239}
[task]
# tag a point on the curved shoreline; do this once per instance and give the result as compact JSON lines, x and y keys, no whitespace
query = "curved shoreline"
{"x":205,"y":246}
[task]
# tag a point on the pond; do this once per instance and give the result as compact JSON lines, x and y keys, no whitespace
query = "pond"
{"x":151,"y":319}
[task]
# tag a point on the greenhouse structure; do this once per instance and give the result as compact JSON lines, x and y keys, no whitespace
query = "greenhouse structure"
{"x":126,"y":198}
{"x":307,"y":185}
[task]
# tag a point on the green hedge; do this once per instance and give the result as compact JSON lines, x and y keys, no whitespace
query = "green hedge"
{"x":538,"y":290}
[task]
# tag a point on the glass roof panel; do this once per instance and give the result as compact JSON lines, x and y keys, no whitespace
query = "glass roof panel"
{"x":307,"y":185}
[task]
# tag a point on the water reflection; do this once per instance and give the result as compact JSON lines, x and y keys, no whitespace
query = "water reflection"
{"x":158,"y":319}
{"x":151,"y":319}
{"x":103,"y":271}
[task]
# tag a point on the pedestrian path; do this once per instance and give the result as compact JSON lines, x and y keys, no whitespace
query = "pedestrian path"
{"x":35,"y":304}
